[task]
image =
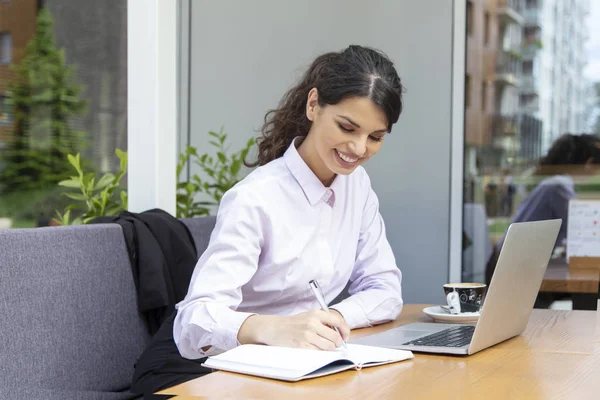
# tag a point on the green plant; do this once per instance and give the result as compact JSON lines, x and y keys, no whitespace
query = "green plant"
{"x":515,"y":54}
{"x":97,"y":198}
{"x":43,"y":99}
{"x":223,"y":172}
{"x":539,"y":44}
{"x":107,"y":198}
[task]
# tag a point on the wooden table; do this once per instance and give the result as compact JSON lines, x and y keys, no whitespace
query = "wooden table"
{"x":581,"y":284}
{"x":558,"y":357}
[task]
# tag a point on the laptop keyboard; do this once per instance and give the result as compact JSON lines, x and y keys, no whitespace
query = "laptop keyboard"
{"x":458,"y":336}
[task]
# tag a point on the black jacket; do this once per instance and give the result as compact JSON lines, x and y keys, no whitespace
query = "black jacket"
{"x":162,"y":255}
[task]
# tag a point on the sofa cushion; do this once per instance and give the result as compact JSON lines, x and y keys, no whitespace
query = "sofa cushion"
{"x":201,"y":229}
{"x":68,"y":309}
{"x":29,"y":393}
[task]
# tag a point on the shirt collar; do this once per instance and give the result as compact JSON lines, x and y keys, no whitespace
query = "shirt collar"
{"x":313,"y":188}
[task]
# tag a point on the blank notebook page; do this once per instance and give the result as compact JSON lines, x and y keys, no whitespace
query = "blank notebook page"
{"x":292,"y":362}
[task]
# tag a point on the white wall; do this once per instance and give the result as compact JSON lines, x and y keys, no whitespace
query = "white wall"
{"x":244,"y":55}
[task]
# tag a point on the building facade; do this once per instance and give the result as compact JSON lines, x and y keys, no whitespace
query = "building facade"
{"x":497,"y":132}
{"x":554,"y":58}
{"x":17,"y":27}
{"x":524,"y":83}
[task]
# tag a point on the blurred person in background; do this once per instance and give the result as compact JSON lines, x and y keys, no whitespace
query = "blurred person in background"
{"x":507,"y":193}
{"x":570,"y":156}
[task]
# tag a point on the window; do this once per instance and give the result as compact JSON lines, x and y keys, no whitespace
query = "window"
{"x":5,"y":117}
{"x":467,"y":91}
{"x":469,"y":18}
{"x":531,"y":4}
{"x":94,"y":41}
{"x":484,"y":96}
{"x":486,"y":28}
{"x":5,"y":48}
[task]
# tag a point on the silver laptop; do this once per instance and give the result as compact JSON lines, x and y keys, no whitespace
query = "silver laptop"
{"x":507,"y":306}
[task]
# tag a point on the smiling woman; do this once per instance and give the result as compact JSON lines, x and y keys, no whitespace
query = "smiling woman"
{"x":306,"y":213}
{"x":356,"y":92}
{"x":342,"y":135}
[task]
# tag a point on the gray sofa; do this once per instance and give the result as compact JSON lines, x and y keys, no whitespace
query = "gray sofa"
{"x":70,"y":327}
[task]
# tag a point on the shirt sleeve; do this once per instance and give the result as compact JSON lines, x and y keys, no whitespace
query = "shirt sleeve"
{"x":206,"y":322}
{"x":375,"y":283}
{"x":559,"y":204}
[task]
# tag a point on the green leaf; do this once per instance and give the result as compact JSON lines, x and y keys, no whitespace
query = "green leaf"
{"x":97,"y":204}
{"x":90,"y":185}
{"x":192,"y":150}
{"x":104,"y":181}
{"x":214,"y":143}
{"x":114,"y":210}
{"x":122,"y":155}
{"x":213,"y":134}
{"x":60,"y":216}
{"x":196,"y":179}
{"x":235,"y":167}
{"x":85,"y":179}
{"x":89,"y":219}
{"x":70,"y":183}
{"x":76,"y":196}
{"x":123,"y":196}
{"x":222,"y":157}
{"x":207,"y":203}
{"x":77,"y":221}
{"x":65,"y":218}
{"x":75,"y":162}
{"x":118,"y":177}
{"x":190,"y":187}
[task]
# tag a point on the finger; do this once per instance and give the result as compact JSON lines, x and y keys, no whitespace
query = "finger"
{"x":308,"y":346}
{"x":319,"y":341}
{"x":344,"y":328}
{"x":335,"y":319}
{"x":327,"y":332}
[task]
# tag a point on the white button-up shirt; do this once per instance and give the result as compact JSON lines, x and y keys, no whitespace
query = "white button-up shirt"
{"x":276,"y":230}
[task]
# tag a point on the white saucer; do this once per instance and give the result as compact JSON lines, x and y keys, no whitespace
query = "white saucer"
{"x":440,"y":315}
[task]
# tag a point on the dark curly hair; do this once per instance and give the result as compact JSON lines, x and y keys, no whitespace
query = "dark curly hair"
{"x":568,"y":151}
{"x":356,"y":71}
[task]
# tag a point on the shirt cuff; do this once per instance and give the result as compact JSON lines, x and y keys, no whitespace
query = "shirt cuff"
{"x":228,"y":327}
{"x":352,"y":312}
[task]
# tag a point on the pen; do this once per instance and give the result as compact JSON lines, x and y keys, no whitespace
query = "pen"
{"x":314,"y":285}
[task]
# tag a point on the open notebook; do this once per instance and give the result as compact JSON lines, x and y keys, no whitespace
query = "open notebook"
{"x":292,"y":364}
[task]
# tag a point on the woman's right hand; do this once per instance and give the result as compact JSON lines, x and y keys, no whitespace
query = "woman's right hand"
{"x":308,"y":330}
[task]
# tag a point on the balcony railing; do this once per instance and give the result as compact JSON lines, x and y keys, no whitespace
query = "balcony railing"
{"x":508,"y":67}
{"x":509,"y":11}
{"x":531,"y":139}
{"x":505,"y":125}
{"x":529,"y":84}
